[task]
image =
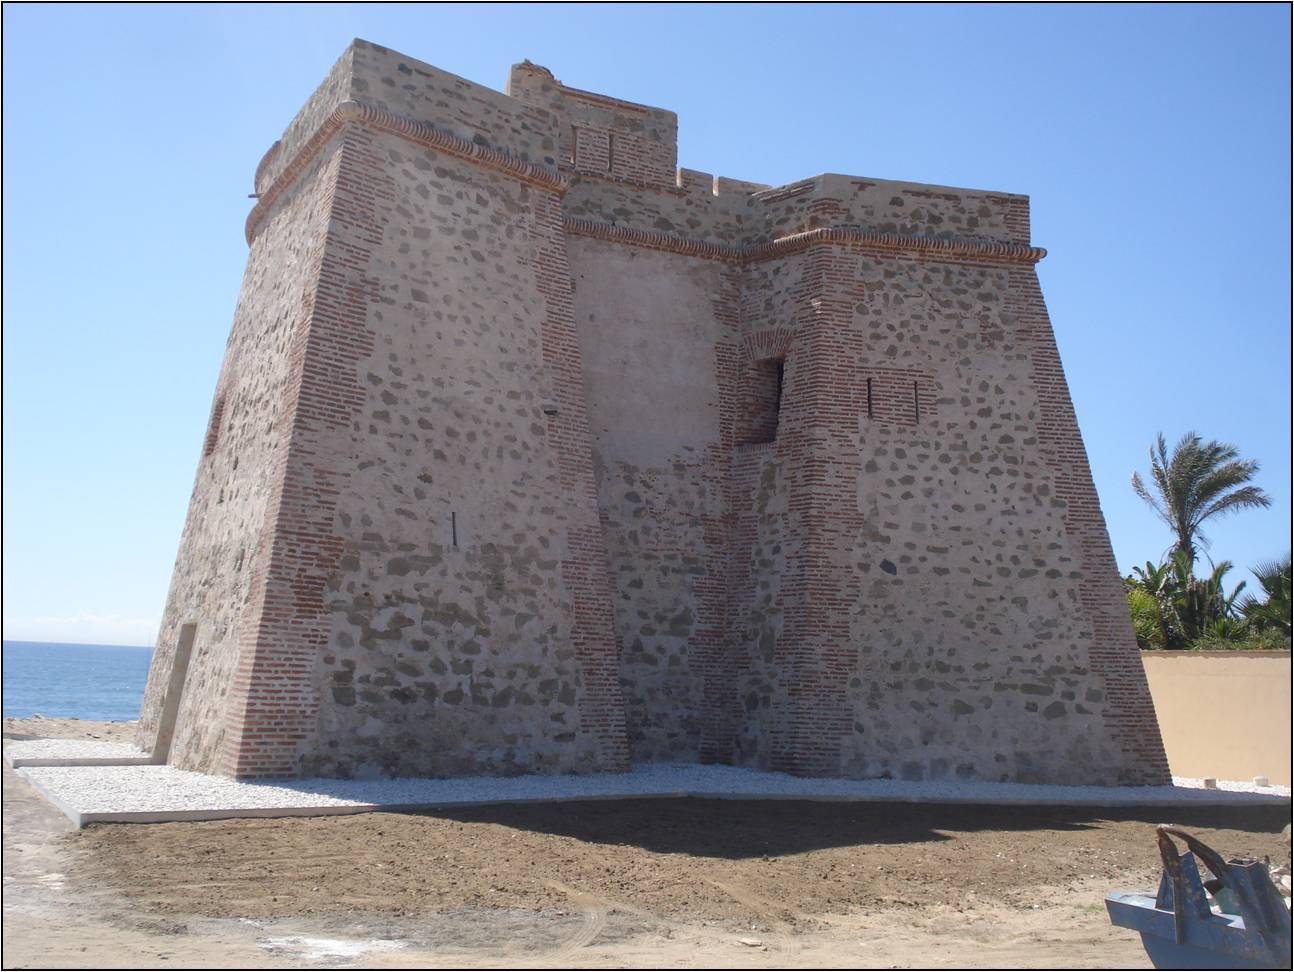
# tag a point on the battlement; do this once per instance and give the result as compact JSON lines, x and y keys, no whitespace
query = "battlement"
{"x":599,"y":135}
{"x":621,"y":158}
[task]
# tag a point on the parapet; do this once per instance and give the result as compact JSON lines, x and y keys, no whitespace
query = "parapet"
{"x":624,"y":155}
{"x":406,"y":88}
{"x":887,"y":206}
{"x":600,"y":135}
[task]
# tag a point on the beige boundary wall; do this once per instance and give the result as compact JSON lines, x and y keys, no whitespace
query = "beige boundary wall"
{"x":1224,"y":714}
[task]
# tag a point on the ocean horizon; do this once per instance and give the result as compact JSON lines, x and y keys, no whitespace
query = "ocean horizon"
{"x":74,"y":681}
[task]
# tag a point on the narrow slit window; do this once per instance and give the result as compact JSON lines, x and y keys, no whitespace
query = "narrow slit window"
{"x":916,"y":401}
{"x":869,"y":398}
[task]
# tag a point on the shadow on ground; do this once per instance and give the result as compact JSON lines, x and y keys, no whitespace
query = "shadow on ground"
{"x":737,"y":829}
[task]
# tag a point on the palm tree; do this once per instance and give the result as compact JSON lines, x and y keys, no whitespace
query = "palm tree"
{"x":1147,"y":618}
{"x":1273,"y":611}
{"x":1151,"y":599}
{"x":1171,"y":608}
{"x":1198,"y":480}
{"x":1200,"y":604}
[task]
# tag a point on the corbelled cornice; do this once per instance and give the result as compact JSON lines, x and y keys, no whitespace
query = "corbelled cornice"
{"x":993,"y":250}
{"x":420,"y":133}
{"x":652,"y":239}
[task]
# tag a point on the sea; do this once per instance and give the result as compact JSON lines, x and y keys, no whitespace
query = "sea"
{"x":101,"y":682}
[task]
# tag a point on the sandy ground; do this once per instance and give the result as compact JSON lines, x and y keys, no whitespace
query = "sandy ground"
{"x":646,"y":883}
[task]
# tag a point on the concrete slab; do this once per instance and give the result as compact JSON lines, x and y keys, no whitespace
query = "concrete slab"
{"x":72,"y":752}
{"x":152,"y":794}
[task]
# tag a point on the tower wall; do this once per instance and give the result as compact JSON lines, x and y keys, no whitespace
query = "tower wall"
{"x":936,"y":583}
{"x":546,"y":456}
{"x":468,"y":615}
{"x":230,"y":529}
{"x":431,"y":592}
{"x":652,"y":328}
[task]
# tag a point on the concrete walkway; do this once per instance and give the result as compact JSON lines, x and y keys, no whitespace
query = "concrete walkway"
{"x":73,"y":752}
{"x":147,"y":793}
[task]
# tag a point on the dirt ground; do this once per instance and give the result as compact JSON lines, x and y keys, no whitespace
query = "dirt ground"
{"x":645,"y":883}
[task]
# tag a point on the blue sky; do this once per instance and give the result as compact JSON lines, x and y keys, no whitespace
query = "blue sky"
{"x":1154,"y":140}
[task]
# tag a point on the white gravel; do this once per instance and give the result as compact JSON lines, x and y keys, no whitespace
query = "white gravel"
{"x":155,"y":793}
{"x":70,"y":752}
{"x":1231,"y":786}
{"x":328,"y":949}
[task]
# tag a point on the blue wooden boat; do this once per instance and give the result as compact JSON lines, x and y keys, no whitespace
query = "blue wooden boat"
{"x":1179,"y":928}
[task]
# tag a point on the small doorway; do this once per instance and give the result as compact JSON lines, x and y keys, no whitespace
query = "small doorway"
{"x":174,"y":690}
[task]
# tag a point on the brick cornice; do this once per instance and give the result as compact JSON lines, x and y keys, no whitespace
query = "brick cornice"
{"x":420,"y":133}
{"x":652,"y":239}
{"x":940,"y":245}
{"x":992,"y":250}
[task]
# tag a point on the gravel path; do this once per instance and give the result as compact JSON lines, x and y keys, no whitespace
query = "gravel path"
{"x":157,"y":793}
{"x":54,"y":752}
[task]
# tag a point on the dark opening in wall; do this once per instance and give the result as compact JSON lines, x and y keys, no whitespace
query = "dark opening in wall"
{"x":173,"y":693}
{"x":763,"y":400}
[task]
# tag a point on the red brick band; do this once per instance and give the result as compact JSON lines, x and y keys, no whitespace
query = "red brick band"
{"x":713,"y":642}
{"x":988,"y":250}
{"x":584,"y":568}
{"x":273,"y":701}
{"x":423,"y":134}
{"x":1128,"y":707}
{"x":410,"y":129}
{"x":270,"y":155}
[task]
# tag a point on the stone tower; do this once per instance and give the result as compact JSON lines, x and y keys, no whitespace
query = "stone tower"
{"x":532,"y":452}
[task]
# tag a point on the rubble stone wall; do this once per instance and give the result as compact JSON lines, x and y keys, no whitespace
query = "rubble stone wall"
{"x":229,"y":530}
{"x":453,"y":629}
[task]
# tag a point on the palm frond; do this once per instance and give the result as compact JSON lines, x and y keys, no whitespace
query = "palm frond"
{"x":1139,"y":487}
{"x":1245,"y":498}
{"x":1195,"y":481}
